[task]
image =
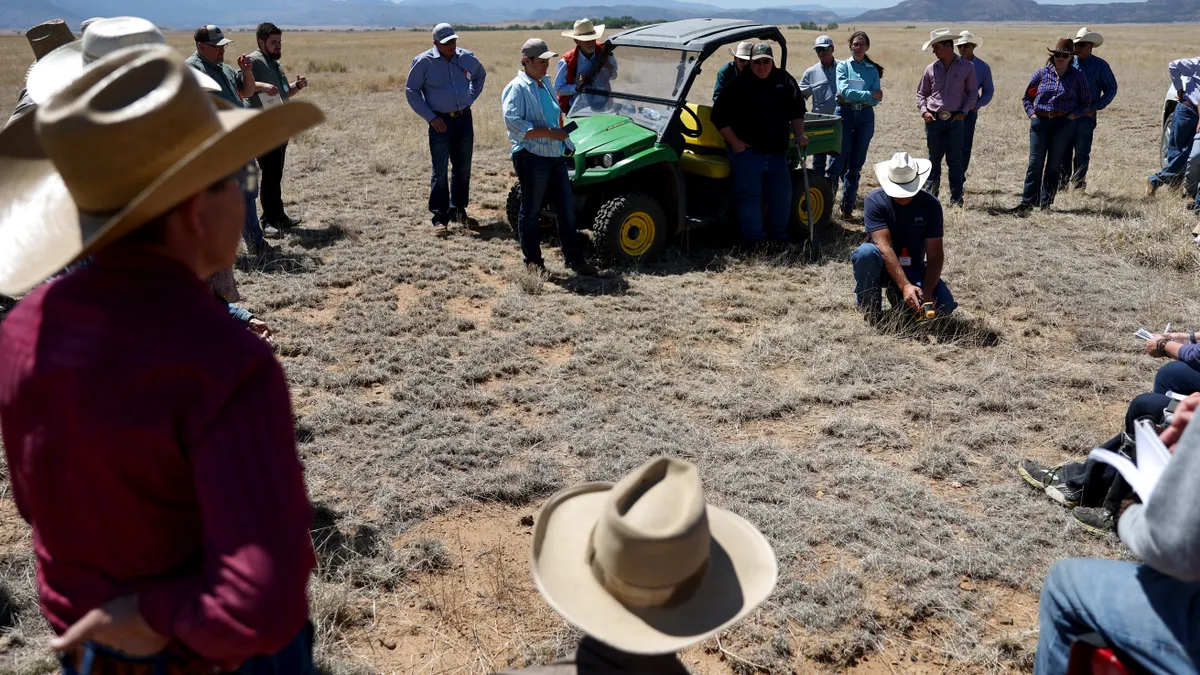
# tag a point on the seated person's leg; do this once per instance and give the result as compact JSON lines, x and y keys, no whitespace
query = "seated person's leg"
{"x":1178,"y":377}
{"x":1138,"y":611}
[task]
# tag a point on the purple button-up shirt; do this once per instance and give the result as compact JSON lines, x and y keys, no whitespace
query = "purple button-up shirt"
{"x":954,"y":89}
{"x":1050,"y":94}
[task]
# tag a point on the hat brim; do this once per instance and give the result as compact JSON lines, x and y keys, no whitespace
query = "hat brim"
{"x":42,"y":230}
{"x":597,"y":31}
{"x":547,"y":55}
{"x":220,"y":43}
{"x":741,"y":575}
{"x":452,"y":36}
{"x":1095,"y":38}
{"x":58,"y":69}
{"x":947,"y":38}
{"x":975,"y":40}
{"x":902,"y":190}
{"x":762,"y":57}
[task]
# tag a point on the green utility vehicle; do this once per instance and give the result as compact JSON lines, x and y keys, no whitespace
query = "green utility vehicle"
{"x":648,"y":163}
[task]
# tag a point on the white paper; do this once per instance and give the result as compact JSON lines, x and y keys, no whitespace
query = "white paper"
{"x":856,"y":85}
{"x":1152,"y":459}
{"x":1143,"y":334}
{"x":269,"y":100}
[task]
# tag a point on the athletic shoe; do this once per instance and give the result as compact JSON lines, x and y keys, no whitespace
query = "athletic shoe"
{"x":1095,"y":519}
{"x":1046,"y":479}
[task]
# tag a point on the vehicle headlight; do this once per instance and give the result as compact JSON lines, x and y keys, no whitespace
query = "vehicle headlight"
{"x":607,"y":161}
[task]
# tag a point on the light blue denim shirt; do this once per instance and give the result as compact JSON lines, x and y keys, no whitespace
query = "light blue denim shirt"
{"x":527,"y":106}
{"x":819,"y":83}
{"x":436,"y":85}
{"x":849,"y":70}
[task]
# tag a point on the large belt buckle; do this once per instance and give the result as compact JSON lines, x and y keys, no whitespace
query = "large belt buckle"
{"x":943,"y":116}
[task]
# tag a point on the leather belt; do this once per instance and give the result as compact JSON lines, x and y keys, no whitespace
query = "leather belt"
{"x":853,"y":106}
{"x":103,"y":663}
{"x":456,"y":113}
{"x":1051,"y":115}
{"x":944,"y":115}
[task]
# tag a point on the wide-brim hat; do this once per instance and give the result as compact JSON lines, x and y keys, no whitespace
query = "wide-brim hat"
{"x":1087,"y":35}
{"x":584,"y":30}
{"x":903,"y":175}
{"x":742,"y":51}
{"x":939,"y":35}
{"x":966,"y":38}
{"x":128,"y":141}
{"x":48,"y":36}
{"x":64,"y":65}
{"x":599,"y":551}
{"x":1063,"y":45}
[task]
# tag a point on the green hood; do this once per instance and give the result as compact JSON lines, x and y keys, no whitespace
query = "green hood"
{"x":606,"y":133}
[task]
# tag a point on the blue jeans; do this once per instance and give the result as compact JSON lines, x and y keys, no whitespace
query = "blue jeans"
{"x":760,"y":179}
{"x":1179,"y":142}
{"x":294,"y":659}
{"x":858,"y":126}
{"x":1078,"y":153}
{"x":871,"y":277}
{"x":968,"y":140}
{"x":1178,"y":377}
{"x":1048,"y":140}
{"x":945,"y":139}
{"x":545,"y":178}
{"x":252,"y":232}
{"x":1145,"y":615}
{"x":448,"y":196}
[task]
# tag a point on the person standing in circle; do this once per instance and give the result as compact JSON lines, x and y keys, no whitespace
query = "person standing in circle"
{"x":1056,"y":97}
{"x":859,"y":90}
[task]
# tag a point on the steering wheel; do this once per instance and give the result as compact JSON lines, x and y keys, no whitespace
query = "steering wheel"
{"x":690,"y":133}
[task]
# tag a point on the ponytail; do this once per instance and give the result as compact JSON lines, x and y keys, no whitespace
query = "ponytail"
{"x":877,"y":66}
{"x":866,"y":57}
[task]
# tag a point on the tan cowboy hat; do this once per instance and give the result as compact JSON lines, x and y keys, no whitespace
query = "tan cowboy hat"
{"x":966,"y":38}
{"x":48,"y":36}
{"x":102,"y":37}
{"x":645,"y":565}
{"x":1087,"y":35}
{"x":902,"y":175}
{"x":939,"y":35}
{"x":584,"y":30}
{"x":742,"y":53}
{"x":129,"y":140}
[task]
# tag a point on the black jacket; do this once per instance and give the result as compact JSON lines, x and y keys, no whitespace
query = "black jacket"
{"x":760,"y":110}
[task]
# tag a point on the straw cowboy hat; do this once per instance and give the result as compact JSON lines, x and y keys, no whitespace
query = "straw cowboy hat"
{"x":939,"y":35}
{"x":966,"y":38}
{"x":645,"y":565}
{"x":46,"y":37}
{"x":102,"y":37}
{"x":1087,"y":35}
{"x":902,"y":175}
{"x":742,"y":53}
{"x":584,"y":30}
{"x":129,"y":140}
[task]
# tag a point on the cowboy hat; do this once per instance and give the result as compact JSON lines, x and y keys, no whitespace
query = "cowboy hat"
{"x":966,"y":38}
{"x":48,"y":36}
{"x":126,"y":142}
{"x":1086,"y":35}
{"x":1063,"y":45}
{"x":645,"y":565}
{"x":742,"y":53}
{"x":939,"y":35}
{"x":87,"y":22}
{"x":102,"y":37}
{"x":902,"y":175}
{"x":584,"y":30}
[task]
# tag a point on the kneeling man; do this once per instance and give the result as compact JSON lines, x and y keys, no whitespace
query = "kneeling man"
{"x":904,"y":250}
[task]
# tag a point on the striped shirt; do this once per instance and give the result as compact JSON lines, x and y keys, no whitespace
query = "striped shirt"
{"x":525,"y":107}
{"x":1047,"y":93}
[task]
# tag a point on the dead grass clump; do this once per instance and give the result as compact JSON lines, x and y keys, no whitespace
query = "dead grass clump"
{"x":325,"y":66}
{"x":425,"y":554}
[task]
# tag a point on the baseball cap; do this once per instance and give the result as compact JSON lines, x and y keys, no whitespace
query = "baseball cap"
{"x":761,"y":51}
{"x":443,"y":33}
{"x":823,"y":41}
{"x":212,"y":36}
{"x":536,"y":48}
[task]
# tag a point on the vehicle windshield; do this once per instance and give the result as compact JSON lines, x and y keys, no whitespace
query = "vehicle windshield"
{"x":638,"y":72}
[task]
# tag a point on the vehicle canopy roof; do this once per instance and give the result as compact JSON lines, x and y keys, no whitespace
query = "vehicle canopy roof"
{"x":701,"y":35}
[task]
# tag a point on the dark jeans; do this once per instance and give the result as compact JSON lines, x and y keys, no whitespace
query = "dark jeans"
{"x":762,"y":180}
{"x":252,"y":232}
{"x":1179,"y":142}
{"x":1048,"y":139}
{"x":1078,"y":154}
{"x":968,"y":140}
{"x":294,"y":659}
{"x":455,"y":146}
{"x":945,"y":139}
{"x":819,"y":162}
{"x":270,"y":184}
{"x":871,"y":278}
{"x":858,"y":127}
{"x":545,"y":178}
{"x":1178,"y":377}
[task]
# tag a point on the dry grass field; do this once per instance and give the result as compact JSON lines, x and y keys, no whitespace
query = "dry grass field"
{"x":441,"y":393}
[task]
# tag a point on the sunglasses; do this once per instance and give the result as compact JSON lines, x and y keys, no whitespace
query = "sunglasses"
{"x":822,"y":49}
{"x":1063,"y":55}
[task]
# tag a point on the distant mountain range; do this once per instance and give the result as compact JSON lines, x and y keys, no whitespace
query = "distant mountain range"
{"x":1152,"y":11}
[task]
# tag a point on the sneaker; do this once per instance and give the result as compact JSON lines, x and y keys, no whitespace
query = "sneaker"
{"x":1046,"y":479}
{"x":1151,"y":187}
{"x":583,"y":268}
{"x":1095,"y":519}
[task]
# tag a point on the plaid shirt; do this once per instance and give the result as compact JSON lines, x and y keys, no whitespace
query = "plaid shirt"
{"x":1047,"y":93}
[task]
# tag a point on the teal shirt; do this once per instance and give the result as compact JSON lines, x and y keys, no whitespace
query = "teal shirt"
{"x":724,"y":76}
{"x":230,"y":81}
{"x":858,"y":70}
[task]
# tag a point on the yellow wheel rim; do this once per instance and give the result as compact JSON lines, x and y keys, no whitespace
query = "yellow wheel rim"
{"x":637,"y":233}
{"x":818,"y":206}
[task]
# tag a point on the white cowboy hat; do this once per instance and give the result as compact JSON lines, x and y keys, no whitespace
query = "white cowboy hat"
{"x":645,"y":565}
{"x":584,"y":30}
{"x":126,"y":142}
{"x":939,"y":35}
{"x":63,"y":65}
{"x":1087,"y":35}
{"x":902,"y":175}
{"x":742,"y":53}
{"x":966,"y":38}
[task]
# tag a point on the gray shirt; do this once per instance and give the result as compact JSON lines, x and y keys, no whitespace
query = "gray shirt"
{"x":230,"y":80}
{"x":268,"y":71}
{"x":1165,"y":533}
{"x":820,"y":84}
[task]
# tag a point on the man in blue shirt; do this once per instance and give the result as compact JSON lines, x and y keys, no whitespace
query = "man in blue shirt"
{"x":539,"y":146}
{"x":442,"y":84}
{"x":904,"y":250}
{"x":819,"y":83}
{"x":966,"y":44}
{"x":1103,"y":85}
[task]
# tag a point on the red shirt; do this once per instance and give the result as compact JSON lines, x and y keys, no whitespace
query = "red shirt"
{"x":150,"y":444}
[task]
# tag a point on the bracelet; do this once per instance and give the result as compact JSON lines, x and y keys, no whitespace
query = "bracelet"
{"x":1161,"y":346}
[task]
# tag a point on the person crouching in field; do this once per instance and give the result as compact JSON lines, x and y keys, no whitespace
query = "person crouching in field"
{"x":1145,"y":611}
{"x":904,"y":252}
{"x":645,"y":568}
{"x":1057,"y":95}
{"x":154,"y":456}
{"x":539,"y":146}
